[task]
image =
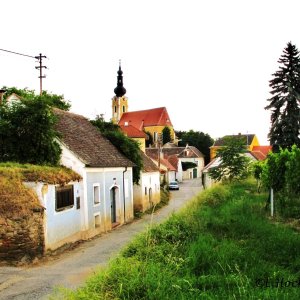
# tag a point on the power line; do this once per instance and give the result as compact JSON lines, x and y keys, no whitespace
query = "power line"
{"x":39,"y":67}
{"x":17,"y":53}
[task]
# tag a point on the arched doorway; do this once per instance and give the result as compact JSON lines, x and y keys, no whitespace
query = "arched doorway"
{"x":113,"y":206}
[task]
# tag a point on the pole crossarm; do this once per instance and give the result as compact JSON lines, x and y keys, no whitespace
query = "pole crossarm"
{"x":39,"y":67}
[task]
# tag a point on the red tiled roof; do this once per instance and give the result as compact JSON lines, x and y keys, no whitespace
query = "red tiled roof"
{"x":263,"y":149}
{"x":143,"y":118}
{"x":173,"y":160}
{"x":258,"y":155}
{"x":167,"y":164}
{"x":132,"y":132}
{"x":179,"y":151}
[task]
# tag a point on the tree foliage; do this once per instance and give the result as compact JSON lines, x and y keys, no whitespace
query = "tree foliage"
{"x":188,"y":165}
{"x":27,"y":132}
{"x":285,"y":101}
{"x":49,"y":98}
{"x":166,"y":135}
{"x":281,"y":171}
{"x":124,"y":144}
{"x":200,"y":140}
{"x":233,"y":164}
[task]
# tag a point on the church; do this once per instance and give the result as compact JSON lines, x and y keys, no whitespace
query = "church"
{"x":151,"y":121}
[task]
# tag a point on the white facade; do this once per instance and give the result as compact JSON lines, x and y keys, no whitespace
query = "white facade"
{"x":147,"y":193}
{"x":103,"y":199}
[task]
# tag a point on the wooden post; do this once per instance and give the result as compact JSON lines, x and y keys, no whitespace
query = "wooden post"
{"x":272,"y":202}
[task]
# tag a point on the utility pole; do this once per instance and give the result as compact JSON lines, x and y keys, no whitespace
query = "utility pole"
{"x":40,"y":67}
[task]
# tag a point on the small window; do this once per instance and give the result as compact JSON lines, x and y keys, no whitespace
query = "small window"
{"x":64,"y":197}
{"x":77,"y":202}
{"x":97,"y":221}
{"x":96,"y":193}
{"x":123,"y":107}
{"x":145,"y":190}
{"x":115,"y":109}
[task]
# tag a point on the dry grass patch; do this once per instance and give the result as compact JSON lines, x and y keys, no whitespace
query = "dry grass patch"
{"x":16,"y":200}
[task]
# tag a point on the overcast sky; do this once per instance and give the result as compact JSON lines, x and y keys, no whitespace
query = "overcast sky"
{"x":209,"y":62}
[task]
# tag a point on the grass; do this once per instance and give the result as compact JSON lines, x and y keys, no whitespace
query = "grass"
{"x":221,"y":246}
{"x":16,"y":200}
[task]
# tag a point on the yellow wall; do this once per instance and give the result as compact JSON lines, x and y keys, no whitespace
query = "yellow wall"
{"x":159,"y":130}
{"x":117,"y":108}
{"x":141,"y":142}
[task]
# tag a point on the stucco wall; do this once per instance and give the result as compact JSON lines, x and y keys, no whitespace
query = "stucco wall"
{"x":64,"y":226}
{"x":142,"y":199}
{"x":107,"y":179}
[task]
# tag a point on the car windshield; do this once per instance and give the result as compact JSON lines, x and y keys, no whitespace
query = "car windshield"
{"x":173,"y":183}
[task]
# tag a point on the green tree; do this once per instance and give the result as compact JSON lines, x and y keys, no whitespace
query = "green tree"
{"x":200,"y":140}
{"x":51,"y":99}
{"x":149,"y":140}
{"x":233,"y":164}
{"x":27,"y":133}
{"x":124,"y":144}
{"x":281,"y":173}
{"x":166,"y":135}
{"x":285,"y":101}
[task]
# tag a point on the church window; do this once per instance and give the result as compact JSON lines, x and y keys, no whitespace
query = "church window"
{"x":115,"y":109}
{"x":123,"y":108}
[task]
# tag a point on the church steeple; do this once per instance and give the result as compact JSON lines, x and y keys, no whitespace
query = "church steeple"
{"x":119,"y":101}
{"x":120,"y":90}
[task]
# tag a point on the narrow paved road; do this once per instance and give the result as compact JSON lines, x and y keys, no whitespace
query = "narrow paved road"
{"x":72,"y":268}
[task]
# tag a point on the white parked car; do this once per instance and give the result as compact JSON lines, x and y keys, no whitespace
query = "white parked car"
{"x":173,"y":185}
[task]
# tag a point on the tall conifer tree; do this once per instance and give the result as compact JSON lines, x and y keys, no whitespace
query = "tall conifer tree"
{"x":285,"y":101}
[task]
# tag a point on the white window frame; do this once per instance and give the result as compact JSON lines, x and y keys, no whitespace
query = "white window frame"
{"x":96,"y":185}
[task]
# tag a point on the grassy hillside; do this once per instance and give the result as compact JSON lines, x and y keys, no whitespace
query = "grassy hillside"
{"x":16,"y":200}
{"x":222,"y":246}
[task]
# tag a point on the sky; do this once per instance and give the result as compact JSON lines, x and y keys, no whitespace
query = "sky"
{"x":208,"y":62}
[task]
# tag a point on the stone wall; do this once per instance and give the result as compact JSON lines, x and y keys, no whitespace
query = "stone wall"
{"x":22,"y":238}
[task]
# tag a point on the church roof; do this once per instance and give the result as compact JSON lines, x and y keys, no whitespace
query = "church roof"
{"x":149,"y":117}
{"x":132,"y":132}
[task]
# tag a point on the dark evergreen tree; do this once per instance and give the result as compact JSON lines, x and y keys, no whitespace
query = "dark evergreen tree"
{"x":285,"y":100}
{"x":166,"y":135}
{"x":202,"y":141}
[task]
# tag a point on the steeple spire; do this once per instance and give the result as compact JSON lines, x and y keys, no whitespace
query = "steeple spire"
{"x":120,"y":90}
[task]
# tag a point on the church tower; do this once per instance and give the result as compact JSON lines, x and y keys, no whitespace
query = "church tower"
{"x":119,"y":101}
